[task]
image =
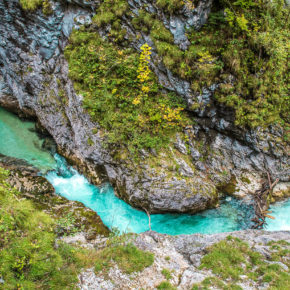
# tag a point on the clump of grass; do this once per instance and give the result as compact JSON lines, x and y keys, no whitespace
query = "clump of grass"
{"x":225,"y":259}
{"x":230,"y":258}
{"x":128,"y":258}
{"x":165,"y":285}
{"x":28,"y":256}
{"x":166,"y":273}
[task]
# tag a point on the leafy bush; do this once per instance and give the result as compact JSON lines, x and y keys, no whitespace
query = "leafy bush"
{"x":133,"y":111}
{"x":250,"y":41}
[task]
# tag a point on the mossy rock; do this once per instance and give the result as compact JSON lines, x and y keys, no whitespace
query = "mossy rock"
{"x":228,"y":187}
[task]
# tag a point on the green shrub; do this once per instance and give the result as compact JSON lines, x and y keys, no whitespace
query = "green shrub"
{"x":249,"y":43}
{"x":107,"y":77}
{"x":31,"y":4}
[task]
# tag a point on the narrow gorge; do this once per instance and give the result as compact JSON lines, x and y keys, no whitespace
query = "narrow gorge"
{"x":143,"y":129}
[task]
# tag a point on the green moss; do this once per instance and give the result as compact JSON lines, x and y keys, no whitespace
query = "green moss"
{"x":128,"y":258}
{"x":109,"y":11}
{"x":229,"y":187}
{"x":246,"y":179}
{"x":170,"y":5}
{"x":32,"y":5}
{"x":107,"y":77}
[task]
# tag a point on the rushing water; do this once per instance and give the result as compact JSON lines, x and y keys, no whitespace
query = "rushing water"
{"x":19,"y":140}
{"x":230,"y":216}
{"x":281,"y":212}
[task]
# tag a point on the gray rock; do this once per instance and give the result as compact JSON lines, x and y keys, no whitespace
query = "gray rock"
{"x":33,"y":71}
{"x":180,"y":146}
{"x":283,"y":266}
{"x":174,"y":253}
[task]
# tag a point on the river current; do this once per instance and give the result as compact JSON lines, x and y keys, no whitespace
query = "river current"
{"x":18,"y":139}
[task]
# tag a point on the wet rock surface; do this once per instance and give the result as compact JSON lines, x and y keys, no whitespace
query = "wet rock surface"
{"x":34,"y":82}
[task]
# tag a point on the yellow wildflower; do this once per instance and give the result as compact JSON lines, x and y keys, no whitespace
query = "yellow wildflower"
{"x":136,"y":101}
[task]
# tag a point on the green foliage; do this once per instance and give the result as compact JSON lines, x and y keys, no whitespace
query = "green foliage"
{"x":128,"y":258}
{"x":28,"y":256}
{"x":232,"y":257}
{"x":165,"y":285}
{"x":114,"y":94}
{"x":243,"y":49}
{"x":170,"y":5}
{"x":250,"y":42}
{"x":32,"y":5}
{"x":166,"y":273}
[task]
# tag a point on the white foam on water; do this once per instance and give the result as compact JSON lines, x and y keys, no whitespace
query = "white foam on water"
{"x":115,"y":213}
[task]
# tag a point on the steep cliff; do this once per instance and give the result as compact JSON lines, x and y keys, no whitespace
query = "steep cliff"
{"x":209,"y":150}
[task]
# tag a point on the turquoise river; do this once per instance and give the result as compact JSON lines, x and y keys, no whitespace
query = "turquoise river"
{"x":18,"y":139}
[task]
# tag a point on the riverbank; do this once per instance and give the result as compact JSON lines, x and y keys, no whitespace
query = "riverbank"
{"x":239,"y":260}
{"x":232,"y":214}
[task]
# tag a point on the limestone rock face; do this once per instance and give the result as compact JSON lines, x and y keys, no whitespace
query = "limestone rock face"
{"x":34,"y":82}
{"x":182,"y":256}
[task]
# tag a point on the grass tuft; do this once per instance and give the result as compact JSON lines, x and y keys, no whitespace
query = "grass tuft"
{"x":128,"y":258}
